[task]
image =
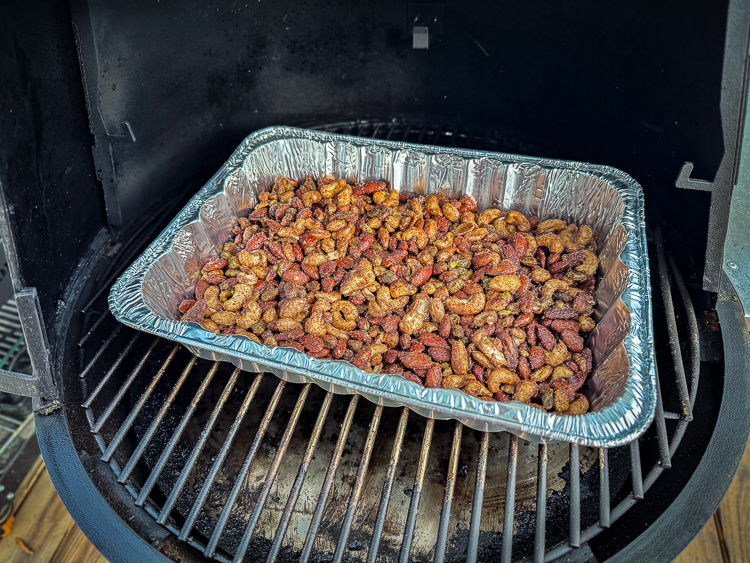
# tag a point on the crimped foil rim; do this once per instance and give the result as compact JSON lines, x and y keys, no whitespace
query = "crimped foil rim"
{"x":614,"y":425}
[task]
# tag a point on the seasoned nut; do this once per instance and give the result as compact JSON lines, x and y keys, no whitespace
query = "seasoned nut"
{"x":352,"y":262}
{"x":459,"y":357}
{"x":505,"y":283}
{"x":557,"y":356}
{"x":451,"y":213}
{"x":525,"y":391}
{"x":579,"y":406}
{"x":434,"y":377}
{"x":498,"y":377}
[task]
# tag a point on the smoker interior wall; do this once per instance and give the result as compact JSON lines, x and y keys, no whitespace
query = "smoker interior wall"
{"x":172,"y":88}
{"x":634,"y":85}
{"x":46,"y":170}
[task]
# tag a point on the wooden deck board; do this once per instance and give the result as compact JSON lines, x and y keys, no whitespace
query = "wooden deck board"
{"x":734,"y":513}
{"x":705,"y":547}
{"x":44,"y":525}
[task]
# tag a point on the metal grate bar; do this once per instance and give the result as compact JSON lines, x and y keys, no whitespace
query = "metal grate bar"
{"x":574,"y":539}
{"x":674,"y":339}
{"x":271,"y":475}
{"x":694,"y":335}
{"x":450,"y":485}
{"x":207,"y":429}
{"x":157,"y":419}
{"x":661,"y":425}
{"x":123,"y":389}
{"x":604,"y":520}
{"x":388,"y":486}
{"x":672,"y":415}
{"x":541,"y":504}
{"x":209,"y":481}
{"x":93,"y":328}
{"x":416,"y":493}
{"x":138,"y":406}
{"x":101,"y":350}
{"x":506,"y":549}
{"x":666,"y":447}
{"x":328,"y":482}
{"x":10,"y":419}
{"x":476,"y":507}
{"x":159,"y":467}
{"x":301,"y":474}
{"x":128,"y":347}
{"x":359,"y":482}
{"x":213,"y":542}
{"x":635,"y":469}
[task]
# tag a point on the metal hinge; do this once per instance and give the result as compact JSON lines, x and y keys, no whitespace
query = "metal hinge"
{"x":40,"y":384}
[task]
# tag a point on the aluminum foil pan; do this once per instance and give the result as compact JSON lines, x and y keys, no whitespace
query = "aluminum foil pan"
{"x":622,"y":389}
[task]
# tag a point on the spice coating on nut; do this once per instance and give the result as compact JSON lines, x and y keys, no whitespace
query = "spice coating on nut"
{"x":497,"y":304}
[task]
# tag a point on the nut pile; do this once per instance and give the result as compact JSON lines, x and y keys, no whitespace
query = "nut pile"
{"x":426,"y":288}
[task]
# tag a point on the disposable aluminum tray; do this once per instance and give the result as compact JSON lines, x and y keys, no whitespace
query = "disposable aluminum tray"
{"x":622,"y":388}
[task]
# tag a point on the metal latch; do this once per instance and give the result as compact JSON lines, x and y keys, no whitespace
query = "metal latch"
{"x":40,"y":384}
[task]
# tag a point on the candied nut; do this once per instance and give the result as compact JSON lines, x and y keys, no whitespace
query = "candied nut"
{"x":561,"y":372}
{"x":579,"y":406}
{"x":226,"y":318}
{"x":539,"y":275}
{"x":476,"y":389}
{"x":491,"y":348}
{"x":545,"y":337}
{"x":488,"y":216}
{"x":421,"y":276}
{"x":454,"y":382}
{"x":560,"y":326}
{"x":536,"y":357}
{"x":498,"y":377}
{"x":439,"y":354}
{"x":451,"y":213}
{"x":283,"y":325}
{"x":586,"y":323}
{"x":551,"y":225}
{"x":411,"y":322}
{"x":312,"y":343}
{"x":209,"y":325}
{"x":437,"y":310}
{"x":434,"y":377}
{"x":362,"y":358}
{"x":555,"y":313}
{"x":379,"y":249}
{"x":541,"y":374}
{"x":557,"y":356}
{"x":430,"y":339}
{"x":525,"y":391}
{"x":524,"y":370}
{"x":196,"y":313}
{"x":505,"y":283}
{"x":459,"y":357}
{"x":572,"y":340}
{"x":471,"y":306}
{"x":186,"y":305}
{"x":552,"y":242}
{"x":416,"y":360}
{"x":242,"y":293}
{"x":518,"y":220}
{"x":412,"y":377}
{"x":562,"y":402}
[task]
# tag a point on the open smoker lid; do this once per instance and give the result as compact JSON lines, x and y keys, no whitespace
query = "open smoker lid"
{"x":172,"y":88}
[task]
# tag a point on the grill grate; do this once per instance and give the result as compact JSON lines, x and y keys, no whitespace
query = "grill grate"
{"x":145,"y":433}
